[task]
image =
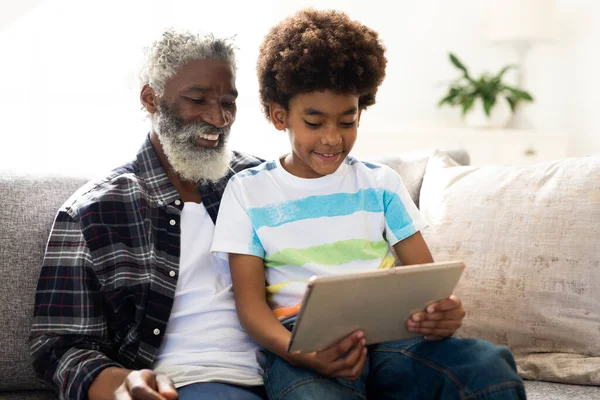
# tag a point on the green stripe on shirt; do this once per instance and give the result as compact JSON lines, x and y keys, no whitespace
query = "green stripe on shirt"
{"x":335,"y":253}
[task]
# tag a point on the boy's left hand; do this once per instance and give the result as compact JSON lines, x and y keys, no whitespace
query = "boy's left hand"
{"x":439,"y":321}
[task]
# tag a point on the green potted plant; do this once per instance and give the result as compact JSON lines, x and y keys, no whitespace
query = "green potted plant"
{"x":485,"y":101}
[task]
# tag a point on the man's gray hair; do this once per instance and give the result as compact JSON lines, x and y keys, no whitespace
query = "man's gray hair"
{"x":174,"y":49}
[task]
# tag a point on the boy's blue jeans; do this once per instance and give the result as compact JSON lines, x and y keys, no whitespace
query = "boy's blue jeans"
{"x":452,"y":368}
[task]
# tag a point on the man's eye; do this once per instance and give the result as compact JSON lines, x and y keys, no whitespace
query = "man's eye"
{"x":196,"y":101}
{"x":229,"y":103}
{"x":311,"y":125}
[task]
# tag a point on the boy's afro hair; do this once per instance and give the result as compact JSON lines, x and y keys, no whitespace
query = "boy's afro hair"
{"x":317,"y":51}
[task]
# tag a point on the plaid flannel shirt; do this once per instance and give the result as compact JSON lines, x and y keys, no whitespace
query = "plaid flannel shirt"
{"x":109,"y":274}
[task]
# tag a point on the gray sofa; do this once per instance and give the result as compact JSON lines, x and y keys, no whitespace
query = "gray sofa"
{"x":28,"y":206}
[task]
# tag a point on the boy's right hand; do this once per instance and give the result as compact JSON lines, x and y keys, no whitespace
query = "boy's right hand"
{"x":345,"y":359}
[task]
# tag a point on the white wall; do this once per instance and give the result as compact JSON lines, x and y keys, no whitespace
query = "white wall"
{"x":581,"y":43}
{"x":67,"y":72}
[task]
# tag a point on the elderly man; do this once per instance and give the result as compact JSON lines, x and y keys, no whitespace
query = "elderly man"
{"x":128,"y":282}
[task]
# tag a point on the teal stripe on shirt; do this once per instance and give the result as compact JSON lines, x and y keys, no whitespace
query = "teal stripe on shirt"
{"x":396,"y":216}
{"x":331,"y":205}
{"x":266,"y":166}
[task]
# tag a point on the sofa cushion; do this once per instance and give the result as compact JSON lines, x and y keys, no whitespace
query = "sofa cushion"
{"x":411,"y":166}
{"x":29,"y":205}
{"x":537,"y":390}
{"x":530,"y":239}
{"x":29,"y":395}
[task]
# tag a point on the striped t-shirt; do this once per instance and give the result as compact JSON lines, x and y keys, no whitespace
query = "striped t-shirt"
{"x":339,"y":223}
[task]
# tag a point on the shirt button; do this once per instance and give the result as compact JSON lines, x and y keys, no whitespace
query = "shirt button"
{"x":156,"y":332}
{"x":172,"y":222}
{"x":177,"y":202}
{"x":172,"y":274}
{"x":160,"y":202}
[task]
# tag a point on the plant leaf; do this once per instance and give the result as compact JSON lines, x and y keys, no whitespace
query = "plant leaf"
{"x":488,"y":103}
{"x":451,"y":96}
{"x":519,"y":94}
{"x":467,"y":104}
{"x":503,"y":71}
{"x":448,"y":99}
{"x":512,"y":103}
{"x":454,"y":60}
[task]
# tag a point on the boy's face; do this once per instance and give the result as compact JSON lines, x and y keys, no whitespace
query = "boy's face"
{"x":322,"y":127}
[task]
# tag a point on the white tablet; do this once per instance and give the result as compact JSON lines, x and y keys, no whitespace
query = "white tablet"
{"x":378,"y":302}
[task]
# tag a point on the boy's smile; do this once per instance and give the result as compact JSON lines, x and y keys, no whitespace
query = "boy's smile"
{"x":328,"y":158}
{"x":322,"y":127}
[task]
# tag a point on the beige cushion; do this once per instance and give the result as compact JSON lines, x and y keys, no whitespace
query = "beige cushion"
{"x":530,"y":237}
{"x":411,"y":166}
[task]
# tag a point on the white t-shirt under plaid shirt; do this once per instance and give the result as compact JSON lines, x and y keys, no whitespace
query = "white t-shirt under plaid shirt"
{"x":339,"y":223}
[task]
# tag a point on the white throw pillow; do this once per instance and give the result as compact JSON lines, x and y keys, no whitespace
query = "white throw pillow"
{"x":530,"y":237}
{"x":411,"y":166}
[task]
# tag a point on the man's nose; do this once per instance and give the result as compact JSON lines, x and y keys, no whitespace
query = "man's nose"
{"x":218,"y":117}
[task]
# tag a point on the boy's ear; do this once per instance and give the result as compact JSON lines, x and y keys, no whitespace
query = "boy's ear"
{"x":278,"y":116}
{"x":358,"y":118}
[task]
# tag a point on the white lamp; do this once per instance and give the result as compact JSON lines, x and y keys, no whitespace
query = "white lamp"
{"x":522,"y":24}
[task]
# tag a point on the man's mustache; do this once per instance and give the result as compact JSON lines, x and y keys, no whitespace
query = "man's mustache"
{"x":192,"y":130}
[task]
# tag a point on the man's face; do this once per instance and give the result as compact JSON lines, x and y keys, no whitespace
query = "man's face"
{"x":194,"y":118}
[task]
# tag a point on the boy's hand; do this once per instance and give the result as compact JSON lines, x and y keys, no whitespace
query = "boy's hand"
{"x":440,"y":320}
{"x":345,"y":360}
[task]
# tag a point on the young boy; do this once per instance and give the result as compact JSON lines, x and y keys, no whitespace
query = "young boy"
{"x":318,"y":211}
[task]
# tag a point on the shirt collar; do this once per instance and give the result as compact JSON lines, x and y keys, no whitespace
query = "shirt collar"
{"x":160,"y":189}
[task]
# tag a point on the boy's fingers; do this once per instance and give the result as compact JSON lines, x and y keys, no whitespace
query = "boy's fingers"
{"x":454,"y":314}
{"x":349,"y":360}
{"x":354,"y":354}
{"x":449,"y":324}
{"x":342,"y":347}
{"x":355,"y":371}
{"x":426,"y":316}
{"x":360,"y":365}
{"x":448,"y":304}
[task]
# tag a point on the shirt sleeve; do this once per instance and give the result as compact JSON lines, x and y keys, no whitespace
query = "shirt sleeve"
{"x":234,"y":232}
{"x":402,"y":217}
{"x":68,"y":338}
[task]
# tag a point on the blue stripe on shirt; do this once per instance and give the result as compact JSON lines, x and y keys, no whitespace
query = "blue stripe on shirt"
{"x":396,"y":217}
{"x":266,"y":166}
{"x":332,"y":205}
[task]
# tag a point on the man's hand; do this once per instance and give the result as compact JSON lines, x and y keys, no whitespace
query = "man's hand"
{"x":115,"y":383}
{"x":345,"y":360}
{"x":440,"y":320}
{"x":146,"y":385}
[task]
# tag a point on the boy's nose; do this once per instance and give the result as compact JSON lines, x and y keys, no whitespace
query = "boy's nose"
{"x":331,"y":138}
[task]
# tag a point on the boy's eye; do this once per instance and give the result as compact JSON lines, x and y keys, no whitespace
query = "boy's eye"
{"x":311,"y":125}
{"x":348,"y":124}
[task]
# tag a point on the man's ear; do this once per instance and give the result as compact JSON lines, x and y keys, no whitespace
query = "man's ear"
{"x":149,"y":99}
{"x":278,"y":116}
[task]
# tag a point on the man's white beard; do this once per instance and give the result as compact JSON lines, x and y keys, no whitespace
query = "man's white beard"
{"x":191,"y":162}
